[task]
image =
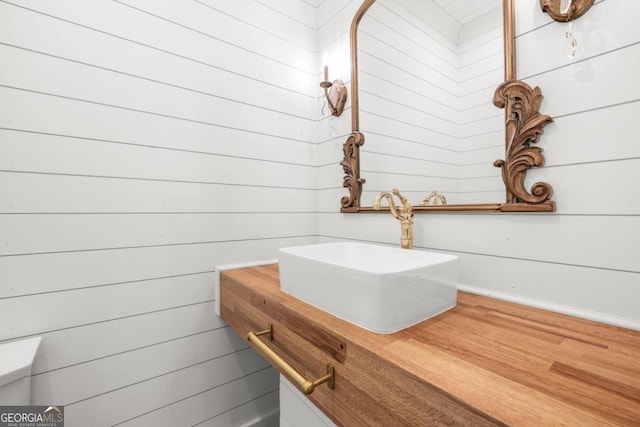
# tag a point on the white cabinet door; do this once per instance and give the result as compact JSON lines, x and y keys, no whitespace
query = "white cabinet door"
{"x":298,"y":411}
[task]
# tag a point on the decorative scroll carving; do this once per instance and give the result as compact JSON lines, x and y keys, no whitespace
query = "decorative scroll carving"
{"x":576,"y":10}
{"x":351,"y":166}
{"x":523,"y":127}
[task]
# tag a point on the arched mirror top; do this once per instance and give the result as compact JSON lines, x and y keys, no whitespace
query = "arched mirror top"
{"x":520,"y":126}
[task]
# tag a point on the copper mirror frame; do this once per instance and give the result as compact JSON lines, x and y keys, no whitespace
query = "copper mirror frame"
{"x":523,"y":127}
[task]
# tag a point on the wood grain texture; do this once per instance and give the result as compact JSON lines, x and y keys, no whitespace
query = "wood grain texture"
{"x":485,"y":362}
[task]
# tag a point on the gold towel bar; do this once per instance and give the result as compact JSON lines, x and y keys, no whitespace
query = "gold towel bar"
{"x":305,"y":385}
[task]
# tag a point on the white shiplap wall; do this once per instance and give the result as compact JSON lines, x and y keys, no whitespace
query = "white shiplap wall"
{"x":583,"y":259}
{"x":426,"y":84}
{"x":408,"y":79}
{"x":142,"y":143}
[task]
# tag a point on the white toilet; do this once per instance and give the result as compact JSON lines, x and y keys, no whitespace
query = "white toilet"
{"x":16,"y":358}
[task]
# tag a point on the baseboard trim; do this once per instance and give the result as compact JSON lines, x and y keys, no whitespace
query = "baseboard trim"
{"x":270,"y":419}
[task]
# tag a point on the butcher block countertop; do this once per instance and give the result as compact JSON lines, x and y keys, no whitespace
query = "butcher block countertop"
{"x":484,"y":362}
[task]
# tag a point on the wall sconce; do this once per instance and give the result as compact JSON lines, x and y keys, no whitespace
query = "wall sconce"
{"x":565,"y":10}
{"x":335,"y":93}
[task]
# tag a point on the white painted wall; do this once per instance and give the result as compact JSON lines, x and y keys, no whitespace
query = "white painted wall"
{"x":583,"y":259}
{"x":142,"y":143}
{"x":425,"y":87}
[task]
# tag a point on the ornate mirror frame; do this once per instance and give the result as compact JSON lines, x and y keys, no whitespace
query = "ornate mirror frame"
{"x":523,"y":127}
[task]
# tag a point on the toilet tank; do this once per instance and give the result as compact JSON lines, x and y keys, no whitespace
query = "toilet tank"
{"x":16,"y":359}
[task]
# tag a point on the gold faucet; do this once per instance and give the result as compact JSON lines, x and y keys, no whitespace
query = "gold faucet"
{"x":404,"y":214}
{"x":433,"y":198}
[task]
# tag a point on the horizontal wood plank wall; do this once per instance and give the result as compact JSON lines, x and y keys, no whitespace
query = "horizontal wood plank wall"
{"x":142,"y":143}
{"x":583,"y":259}
{"x":426,"y":83}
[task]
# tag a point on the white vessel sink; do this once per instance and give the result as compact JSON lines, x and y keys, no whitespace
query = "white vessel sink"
{"x":382,"y":289}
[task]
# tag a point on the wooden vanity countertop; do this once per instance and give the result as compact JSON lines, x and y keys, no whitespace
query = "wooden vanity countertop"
{"x":514,"y":364}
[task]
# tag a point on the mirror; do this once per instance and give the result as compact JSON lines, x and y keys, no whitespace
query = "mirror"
{"x":424,"y":75}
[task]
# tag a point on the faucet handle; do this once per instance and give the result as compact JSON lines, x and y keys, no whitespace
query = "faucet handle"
{"x":433,"y":198}
{"x":408,"y":207}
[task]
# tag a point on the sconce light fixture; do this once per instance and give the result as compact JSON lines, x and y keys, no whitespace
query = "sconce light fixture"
{"x":335,"y":93}
{"x":565,"y":10}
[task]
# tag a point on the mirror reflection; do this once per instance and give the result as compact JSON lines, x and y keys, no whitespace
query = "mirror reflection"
{"x":427,"y":72}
